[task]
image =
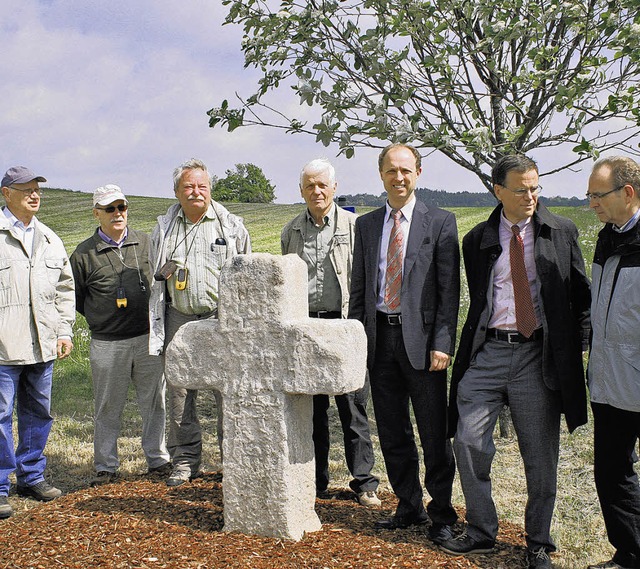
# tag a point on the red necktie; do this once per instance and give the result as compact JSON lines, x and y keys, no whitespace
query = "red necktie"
{"x":525,"y":314}
{"x":394,"y":263}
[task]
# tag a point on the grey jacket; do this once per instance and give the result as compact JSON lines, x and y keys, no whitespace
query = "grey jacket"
{"x":237,"y":242}
{"x":430,"y":282}
{"x":614,"y":358}
{"x":340,"y":249}
{"x":37,"y":300}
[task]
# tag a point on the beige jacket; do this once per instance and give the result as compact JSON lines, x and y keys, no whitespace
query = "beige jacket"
{"x":37,"y":299}
{"x":340,"y":249}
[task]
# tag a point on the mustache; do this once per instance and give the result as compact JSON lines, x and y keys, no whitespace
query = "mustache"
{"x":195,"y":198}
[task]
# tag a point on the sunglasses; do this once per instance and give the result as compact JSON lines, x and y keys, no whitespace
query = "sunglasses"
{"x":112,"y":208}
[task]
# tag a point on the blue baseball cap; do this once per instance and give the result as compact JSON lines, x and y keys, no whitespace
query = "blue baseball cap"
{"x":20,"y":175}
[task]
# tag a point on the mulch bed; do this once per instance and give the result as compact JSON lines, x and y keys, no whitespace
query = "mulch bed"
{"x":143,"y":524}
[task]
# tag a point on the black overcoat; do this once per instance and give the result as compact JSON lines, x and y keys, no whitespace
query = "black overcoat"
{"x":566,"y":298}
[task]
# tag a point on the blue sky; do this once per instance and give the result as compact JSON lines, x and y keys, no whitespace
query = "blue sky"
{"x":95,"y":92}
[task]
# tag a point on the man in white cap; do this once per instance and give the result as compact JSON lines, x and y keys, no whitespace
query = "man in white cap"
{"x":37,"y":312}
{"x":112,"y":275}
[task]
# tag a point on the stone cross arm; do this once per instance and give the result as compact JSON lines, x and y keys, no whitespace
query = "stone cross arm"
{"x":306,"y":357}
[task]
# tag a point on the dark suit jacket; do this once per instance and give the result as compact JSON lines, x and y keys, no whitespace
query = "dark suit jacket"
{"x":565,"y":302}
{"x":430,"y":283}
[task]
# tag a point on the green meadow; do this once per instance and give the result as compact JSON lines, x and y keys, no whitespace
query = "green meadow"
{"x":578,"y":527}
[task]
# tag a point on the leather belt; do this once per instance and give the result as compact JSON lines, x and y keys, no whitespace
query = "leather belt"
{"x":325,"y":314}
{"x":389,"y":319}
{"x":512,"y":336}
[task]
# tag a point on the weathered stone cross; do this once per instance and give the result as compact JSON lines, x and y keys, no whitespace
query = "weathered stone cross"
{"x":268,"y":358}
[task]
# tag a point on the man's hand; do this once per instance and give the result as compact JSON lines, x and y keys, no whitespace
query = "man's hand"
{"x":439,"y":360}
{"x":64,"y":347}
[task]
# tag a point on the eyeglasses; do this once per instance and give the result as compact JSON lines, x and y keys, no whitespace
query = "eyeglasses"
{"x":112,"y":208}
{"x":600,"y":195}
{"x":521,"y":192}
{"x":27,"y":191}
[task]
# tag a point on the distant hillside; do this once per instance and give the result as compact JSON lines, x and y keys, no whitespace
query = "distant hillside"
{"x":443,"y":198}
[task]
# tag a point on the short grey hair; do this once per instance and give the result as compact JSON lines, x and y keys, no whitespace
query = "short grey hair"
{"x":193,"y":164}
{"x":624,"y":171}
{"x":316,"y":167}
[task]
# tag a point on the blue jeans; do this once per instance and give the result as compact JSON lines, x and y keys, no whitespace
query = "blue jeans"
{"x":31,"y":386}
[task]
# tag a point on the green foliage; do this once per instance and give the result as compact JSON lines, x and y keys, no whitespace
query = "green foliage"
{"x":474,"y":80}
{"x":246,"y":184}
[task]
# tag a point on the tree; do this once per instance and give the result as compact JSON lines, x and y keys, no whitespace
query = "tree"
{"x":473,"y":80}
{"x":246,"y":184}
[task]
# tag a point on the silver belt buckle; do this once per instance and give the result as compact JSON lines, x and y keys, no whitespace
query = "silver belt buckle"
{"x":510,"y":334}
{"x":394,"y":319}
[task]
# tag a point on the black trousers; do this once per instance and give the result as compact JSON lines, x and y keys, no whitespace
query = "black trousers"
{"x":395,"y":383}
{"x":358,"y":449}
{"x":616,"y":434}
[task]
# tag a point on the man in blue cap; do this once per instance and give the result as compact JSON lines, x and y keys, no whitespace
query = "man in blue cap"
{"x":37,"y":299}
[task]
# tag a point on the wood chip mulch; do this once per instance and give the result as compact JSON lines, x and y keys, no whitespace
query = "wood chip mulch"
{"x":142,"y":524}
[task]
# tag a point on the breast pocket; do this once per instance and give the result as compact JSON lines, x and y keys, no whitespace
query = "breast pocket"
{"x":53,"y":270}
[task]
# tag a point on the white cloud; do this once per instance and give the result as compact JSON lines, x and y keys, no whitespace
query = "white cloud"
{"x":98,"y":92}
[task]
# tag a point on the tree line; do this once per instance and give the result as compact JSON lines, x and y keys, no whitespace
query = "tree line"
{"x":442,"y":198}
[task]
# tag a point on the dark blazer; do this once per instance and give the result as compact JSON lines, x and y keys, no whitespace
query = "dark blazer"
{"x":565,"y":295}
{"x":430,"y":283}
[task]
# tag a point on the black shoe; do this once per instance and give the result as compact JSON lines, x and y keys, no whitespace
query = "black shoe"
{"x":538,"y":557}
{"x":5,"y":508}
{"x":162,"y":470}
{"x":103,"y":477}
{"x":464,"y":544}
{"x":439,"y":533}
{"x":611,"y":564}
{"x":42,"y":491}
{"x":402,"y":522}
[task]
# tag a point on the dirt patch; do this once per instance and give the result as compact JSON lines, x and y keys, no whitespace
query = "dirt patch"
{"x":141,"y":523}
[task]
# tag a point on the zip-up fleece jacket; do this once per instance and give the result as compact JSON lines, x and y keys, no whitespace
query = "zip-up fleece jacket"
{"x":99,"y":272}
{"x":614,"y":357}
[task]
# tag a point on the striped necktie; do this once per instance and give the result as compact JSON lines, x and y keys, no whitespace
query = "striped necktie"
{"x":394,"y":264}
{"x":525,"y":314}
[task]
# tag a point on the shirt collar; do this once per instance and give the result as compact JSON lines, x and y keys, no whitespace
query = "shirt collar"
{"x":629,"y":225}
{"x":328,"y":218}
{"x":522,"y":225}
{"x":406,"y":209}
{"x":16,"y":222}
{"x":110,"y":241}
{"x":210,"y":214}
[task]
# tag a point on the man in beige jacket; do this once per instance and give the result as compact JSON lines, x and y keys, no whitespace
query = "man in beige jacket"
{"x":37,"y":311}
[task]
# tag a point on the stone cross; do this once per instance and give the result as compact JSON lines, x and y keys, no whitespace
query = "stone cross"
{"x":268,"y":358}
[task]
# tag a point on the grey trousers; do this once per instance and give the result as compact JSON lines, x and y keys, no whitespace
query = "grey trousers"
{"x":114,"y":365}
{"x":511,"y":374}
{"x":185,"y":434}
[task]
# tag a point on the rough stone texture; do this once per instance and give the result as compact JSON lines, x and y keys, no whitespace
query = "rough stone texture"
{"x":268,"y":358}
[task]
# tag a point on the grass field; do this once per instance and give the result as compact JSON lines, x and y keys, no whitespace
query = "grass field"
{"x":578,"y":527}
